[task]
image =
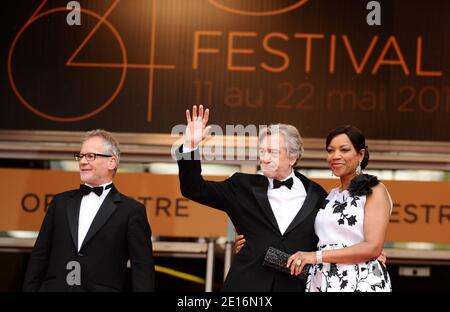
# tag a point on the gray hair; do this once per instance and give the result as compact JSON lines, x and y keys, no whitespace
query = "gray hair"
{"x":294,"y":142}
{"x":110,"y":143}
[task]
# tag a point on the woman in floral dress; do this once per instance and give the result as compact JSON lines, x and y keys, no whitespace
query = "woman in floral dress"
{"x":351,"y":224}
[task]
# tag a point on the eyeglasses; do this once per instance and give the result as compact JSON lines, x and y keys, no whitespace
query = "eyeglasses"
{"x":89,"y":156}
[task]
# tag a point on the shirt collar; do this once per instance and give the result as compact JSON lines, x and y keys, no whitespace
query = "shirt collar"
{"x":102,"y":185}
{"x":292,"y":175}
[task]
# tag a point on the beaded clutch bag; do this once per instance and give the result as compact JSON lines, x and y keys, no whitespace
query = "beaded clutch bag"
{"x":277,"y":259}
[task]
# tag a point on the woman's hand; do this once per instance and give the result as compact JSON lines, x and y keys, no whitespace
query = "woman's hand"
{"x":297,"y":261}
{"x":382,"y":258}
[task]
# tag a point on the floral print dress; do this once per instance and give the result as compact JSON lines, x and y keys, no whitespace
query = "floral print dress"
{"x":340,"y":223}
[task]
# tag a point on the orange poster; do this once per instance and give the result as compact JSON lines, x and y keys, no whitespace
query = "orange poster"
{"x":421,"y":211}
{"x":26,"y":194}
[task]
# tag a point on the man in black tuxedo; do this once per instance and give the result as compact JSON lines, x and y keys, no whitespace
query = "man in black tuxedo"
{"x":89,"y":234}
{"x":275,"y":209}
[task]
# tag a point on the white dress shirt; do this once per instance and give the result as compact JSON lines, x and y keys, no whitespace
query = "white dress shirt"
{"x":286,"y":203}
{"x":90,"y":204}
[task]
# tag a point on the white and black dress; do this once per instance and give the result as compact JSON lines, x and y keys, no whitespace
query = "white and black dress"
{"x":340,"y":223}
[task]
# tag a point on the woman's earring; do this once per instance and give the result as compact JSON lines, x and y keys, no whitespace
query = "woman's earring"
{"x":358,"y":169}
{"x":332,"y":173}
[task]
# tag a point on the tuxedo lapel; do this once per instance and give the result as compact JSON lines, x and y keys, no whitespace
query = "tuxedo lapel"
{"x":104,"y":213}
{"x":260,"y":193}
{"x":309,"y":205}
{"x":73,"y":213}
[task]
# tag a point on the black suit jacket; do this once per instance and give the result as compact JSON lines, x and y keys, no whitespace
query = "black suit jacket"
{"x":244,"y":198}
{"x":119,"y":231}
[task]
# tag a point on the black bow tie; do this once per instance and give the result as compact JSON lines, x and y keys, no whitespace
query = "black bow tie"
{"x":85,"y":190}
{"x":288,"y":183}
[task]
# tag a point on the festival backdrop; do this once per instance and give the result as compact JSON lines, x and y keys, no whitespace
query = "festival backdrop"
{"x":136,"y":65}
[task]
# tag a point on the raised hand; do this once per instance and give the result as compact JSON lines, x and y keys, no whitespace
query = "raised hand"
{"x":196,"y":129}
